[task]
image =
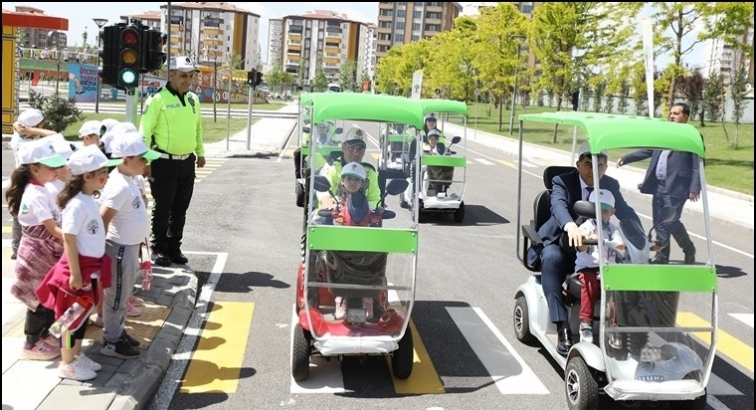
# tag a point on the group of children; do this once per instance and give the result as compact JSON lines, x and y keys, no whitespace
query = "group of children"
{"x":82,"y":220}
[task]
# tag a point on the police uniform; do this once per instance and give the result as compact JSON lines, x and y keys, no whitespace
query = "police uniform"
{"x":172,"y":125}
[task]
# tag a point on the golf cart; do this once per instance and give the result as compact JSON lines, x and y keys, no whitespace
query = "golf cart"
{"x":436,"y":173}
{"x":395,"y":141}
{"x":356,"y":288}
{"x":642,"y":353}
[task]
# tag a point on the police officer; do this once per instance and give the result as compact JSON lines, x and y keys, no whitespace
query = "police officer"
{"x":172,"y":125}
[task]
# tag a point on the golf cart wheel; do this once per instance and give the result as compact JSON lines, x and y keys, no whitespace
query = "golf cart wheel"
{"x":403,"y":358}
{"x":300,"y":357}
{"x":521,"y":321}
{"x":580,"y":386}
{"x":459,"y":214}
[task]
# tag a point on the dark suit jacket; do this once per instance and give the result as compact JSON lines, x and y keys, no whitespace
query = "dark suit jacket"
{"x":682,"y":172}
{"x":566,"y":191}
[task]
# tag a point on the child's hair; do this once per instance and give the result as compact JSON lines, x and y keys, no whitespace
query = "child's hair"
{"x":18,"y":181}
{"x":72,"y":188}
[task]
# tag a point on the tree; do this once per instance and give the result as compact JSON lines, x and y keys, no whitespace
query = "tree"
{"x":301,"y":72}
{"x":258,"y":59}
{"x":692,"y":86}
{"x":348,"y":75}
{"x":276,"y":76}
{"x":235,"y":61}
{"x":450,"y":60}
{"x":320,"y":82}
{"x":624,"y":95}
{"x":609,"y":101}
{"x":730,"y":22}
{"x":569,"y":37}
{"x":394,"y":72}
{"x":738,"y":89}
{"x":84,"y":37}
{"x":598,"y":94}
{"x":640,"y":96}
{"x":713,"y":92}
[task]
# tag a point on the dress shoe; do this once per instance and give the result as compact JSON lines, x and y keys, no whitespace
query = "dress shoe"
{"x":690,"y":257}
{"x":178,"y":258}
{"x":659,"y":260}
{"x":565,"y":341}
{"x":161,"y":259}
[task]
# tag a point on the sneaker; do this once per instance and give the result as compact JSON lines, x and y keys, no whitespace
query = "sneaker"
{"x":96,"y":320}
{"x":368,"y":304}
{"x":130,"y":339}
{"x":121,"y":349}
{"x":85,"y":361}
{"x":136,"y":301}
{"x":52,"y":341}
{"x":75,"y":370}
{"x":132,"y":310}
{"x":340,"y":312}
{"x":614,"y":341}
{"x":39,"y":351}
{"x":586,"y":332}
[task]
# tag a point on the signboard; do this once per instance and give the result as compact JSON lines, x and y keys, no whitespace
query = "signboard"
{"x":417,"y":84}
{"x":477,"y":92}
{"x":82,"y":82}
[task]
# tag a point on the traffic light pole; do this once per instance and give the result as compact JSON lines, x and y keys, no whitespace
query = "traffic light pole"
{"x":130,"y":106}
{"x":249,"y":118}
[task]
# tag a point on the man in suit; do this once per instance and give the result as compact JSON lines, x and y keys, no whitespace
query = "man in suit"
{"x":672,"y":178}
{"x":556,"y":264}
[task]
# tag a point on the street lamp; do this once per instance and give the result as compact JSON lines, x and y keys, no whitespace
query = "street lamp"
{"x":519,"y":40}
{"x":100,"y":23}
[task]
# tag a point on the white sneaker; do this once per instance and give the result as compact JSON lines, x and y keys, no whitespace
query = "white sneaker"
{"x":368,"y":304}
{"x":96,"y":320}
{"x":75,"y":371}
{"x":340,"y":312}
{"x":89,"y":363}
{"x":586,"y":333}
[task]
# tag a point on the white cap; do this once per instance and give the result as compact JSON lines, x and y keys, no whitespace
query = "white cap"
{"x":90,"y":128}
{"x":358,"y":137}
{"x":88,"y":159}
{"x":61,"y":146}
{"x":585,"y":149}
{"x":434,"y":132}
{"x":354,"y":169}
{"x":430,"y":117}
{"x":131,"y":144}
{"x":607,"y":199}
{"x":40,"y":151}
{"x":183,"y":64}
{"x":31,"y":117}
{"x":119,"y":128}
{"x":107,"y":125}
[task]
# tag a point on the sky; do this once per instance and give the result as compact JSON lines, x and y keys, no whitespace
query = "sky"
{"x":80,"y":17}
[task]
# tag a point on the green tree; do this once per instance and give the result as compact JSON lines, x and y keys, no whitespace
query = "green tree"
{"x":276,"y":76}
{"x":640,"y":96}
{"x":302,"y":72}
{"x":738,"y":89}
{"x":320,"y":82}
{"x":235,"y":61}
{"x":567,"y":38}
{"x":258,"y":58}
{"x":394,"y":71}
{"x":730,"y":22}
{"x":450,"y":60}
{"x":692,"y":86}
{"x":624,"y":95}
{"x":348,"y":75}
{"x":713,"y":94}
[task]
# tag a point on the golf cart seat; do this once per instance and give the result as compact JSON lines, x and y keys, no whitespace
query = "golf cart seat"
{"x":541,"y":214}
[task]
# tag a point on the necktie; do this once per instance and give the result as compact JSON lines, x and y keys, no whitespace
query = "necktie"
{"x":588,"y":189}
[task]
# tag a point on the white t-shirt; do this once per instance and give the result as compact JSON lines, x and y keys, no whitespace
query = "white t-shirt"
{"x":37,"y":206}
{"x":81,"y":217}
{"x":54,"y":187}
{"x":589,"y":258}
{"x":131,"y":224}
{"x":15,"y":143}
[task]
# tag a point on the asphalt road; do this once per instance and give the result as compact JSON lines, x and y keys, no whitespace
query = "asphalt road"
{"x":242,"y":238}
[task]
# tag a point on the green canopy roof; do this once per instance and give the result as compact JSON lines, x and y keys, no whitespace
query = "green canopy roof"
{"x":444,"y":106}
{"x":610,"y":131}
{"x":366,"y":107}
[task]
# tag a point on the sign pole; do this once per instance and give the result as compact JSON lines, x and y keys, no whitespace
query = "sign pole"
{"x":249,"y":119}
{"x":477,"y":103}
{"x":228,"y":117}
{"x":130,"y":105}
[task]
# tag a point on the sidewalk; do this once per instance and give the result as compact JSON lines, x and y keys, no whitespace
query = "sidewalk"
{"x":268,"y":137}
{"x":728,"y":206}
{"x":121,"y":384}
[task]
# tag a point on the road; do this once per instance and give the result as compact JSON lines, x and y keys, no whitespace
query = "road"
{"x":243,"y":240}
{"x":106,"y":108}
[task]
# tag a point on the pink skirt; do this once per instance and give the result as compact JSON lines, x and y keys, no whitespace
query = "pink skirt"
{"x":38,"y":252}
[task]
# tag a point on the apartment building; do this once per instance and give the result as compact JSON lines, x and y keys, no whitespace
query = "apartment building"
{"x":725,"y":59}
{"x":150,"y":19}
{"x":322,"y":39}
{"x":403,"y":22}
{"x":371,"y":38}
{"x":275,"y":42}
{"x":210,"y":32}
{"x":474,"y":8}
{"x":32,"y":37}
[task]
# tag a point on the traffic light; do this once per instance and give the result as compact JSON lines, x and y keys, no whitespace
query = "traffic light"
{"x":153,"y":56}
{"x":251,"y":77}
{"x":258,"y":79}
{"x":129,"y":63}
{"x":109,"y":55}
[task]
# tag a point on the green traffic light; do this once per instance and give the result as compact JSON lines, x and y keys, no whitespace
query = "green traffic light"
{"x":128,"y":77}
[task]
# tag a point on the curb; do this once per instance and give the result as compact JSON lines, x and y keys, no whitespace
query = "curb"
{"x":139,"y":388}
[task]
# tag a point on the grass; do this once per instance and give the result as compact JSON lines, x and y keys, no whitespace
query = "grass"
{"x":726,"y":167}
{"x":211,"y":131}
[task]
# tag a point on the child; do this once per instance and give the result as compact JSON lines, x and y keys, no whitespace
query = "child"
{"x":27,"y":128}
{"x":90,"y":133}
{"x":353,"y":177}
{"x":587,"y":261}
{"x":128,"y":224}
{"x":41,"y":241}
{"x":84,"y":262}
{"x":64,"y":149}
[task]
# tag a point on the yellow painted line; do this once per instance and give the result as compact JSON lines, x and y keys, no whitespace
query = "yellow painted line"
{"x":289,"y":152}
{"x":470,"y":162}
{"x":216,"y":364}
{"x":507,"y":163}
{"x":210,"y":167}
{"x":424,"y":379}
{"x":728,"y":345}
{"x":7,"y":229}
{"x":200,"y":176}
{"x":375,"y":155}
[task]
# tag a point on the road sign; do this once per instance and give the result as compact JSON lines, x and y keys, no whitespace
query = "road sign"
{"x":477,"y":92}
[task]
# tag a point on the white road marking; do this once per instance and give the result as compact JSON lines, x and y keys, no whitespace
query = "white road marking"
{"x":183,"y":353}
{"x":484,"y":161}
{"x":715,"y":404}
{"x":746,"y":318}
{"x":325,"y":376}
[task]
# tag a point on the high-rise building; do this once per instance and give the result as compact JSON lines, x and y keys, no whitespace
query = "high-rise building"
{"x":474,"y":8}
{"x":322,"y":39}
{"x":32,"y":38}
{"x":403,"y":22}
{"x":149,"y":18}
{"x":275,"y":42}
{"x":211,"y":32}
{"x":725,"y":59}
{"x":370,"y":40}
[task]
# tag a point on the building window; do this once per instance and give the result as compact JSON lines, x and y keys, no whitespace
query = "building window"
{"x":527,"y":8}
{"x":415,"y":37}
{"x":387,"y":24}
{"x":432,"y":27}
{"x":387,"y":13}
{"x":399,"y":38}
{"x":417,"y":14}
{"x":399,"y":25}
{"x":433,"y":15}
{"x":401,"y":14}
{"x":416,"y":26}
{"x":434,"y":4}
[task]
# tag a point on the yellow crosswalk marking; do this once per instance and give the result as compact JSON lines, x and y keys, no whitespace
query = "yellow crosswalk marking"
{"x":375,"y":155}
{"x":216,"y":364}
{"x":424,"y":379}
{"x":7,"y":229}
{"x":470,"y":162}
{"x":727,"y":344}
{"x":507,"y":163}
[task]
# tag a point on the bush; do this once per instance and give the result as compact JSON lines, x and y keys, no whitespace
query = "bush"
{"x":59,"y":112}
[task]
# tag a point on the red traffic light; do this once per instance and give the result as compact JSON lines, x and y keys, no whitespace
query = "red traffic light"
{"x":130,"y":37}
